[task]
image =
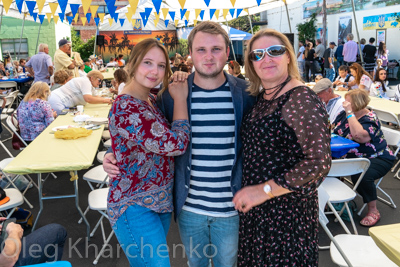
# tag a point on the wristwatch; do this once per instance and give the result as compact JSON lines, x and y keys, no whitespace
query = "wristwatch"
{"x":268,"y":190}
{"x":349,"y":111}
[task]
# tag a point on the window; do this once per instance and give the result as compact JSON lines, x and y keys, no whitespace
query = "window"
{"x":12,"y":46}
{"x":103,"y":9}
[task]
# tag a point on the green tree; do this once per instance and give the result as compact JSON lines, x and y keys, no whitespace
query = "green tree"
{"x":84,"y":49}
{"x":307,"y":29}
{"x":243,"y":24}
{"x":183,"y":47}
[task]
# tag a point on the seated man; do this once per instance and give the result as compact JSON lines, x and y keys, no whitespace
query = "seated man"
{"x":333,"y":102}
{"x":44,"y":244}
{"x":343,"y":78}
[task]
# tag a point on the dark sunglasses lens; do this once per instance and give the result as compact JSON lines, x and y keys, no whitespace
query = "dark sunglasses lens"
{"x":276,"y":51}
{"x":256,"y":55}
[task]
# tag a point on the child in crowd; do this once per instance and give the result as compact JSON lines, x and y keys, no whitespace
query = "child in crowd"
{"x":344,"y":77}
{"x":379,"y":63}
{"x":318,"y":78}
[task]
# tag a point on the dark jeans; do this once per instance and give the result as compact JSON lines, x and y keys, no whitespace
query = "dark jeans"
{"x":309,"y":66}
{"x":44,"y":244}
{"x":379,"y":167}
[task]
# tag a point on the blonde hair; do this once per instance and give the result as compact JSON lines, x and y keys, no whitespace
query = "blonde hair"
{"x":61,"y":76}
{"x":209,"y":27}
{"x":137,"y":55}
{"x":39,"y":90}
{"x":255,"y":81}
{"x":95,"y":74}
{"x":359,"y":99}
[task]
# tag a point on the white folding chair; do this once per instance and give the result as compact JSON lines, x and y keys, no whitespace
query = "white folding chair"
{"x":16,"y":199}
{"x":351,"y":250}
{"x":338,"y":191}
{"x":107,"y":143}
{"x":387,"y":117}
{"x":100,"y":156}
{"x":393,"y":139}
{"x":98,"y":201}
{"x":8,"y":85}
{"x":11,"y":97}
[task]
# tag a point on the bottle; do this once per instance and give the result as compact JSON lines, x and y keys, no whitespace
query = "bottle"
{"x":104,"y":84}
{"x":11,"y":72}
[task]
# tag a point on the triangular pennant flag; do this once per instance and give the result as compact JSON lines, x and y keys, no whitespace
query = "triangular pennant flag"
{"x":186,"y":23}
{"x":110,"y":21}
{"x":129,"y":13}
{"x":183,"y":11}
{"x":258,"y":2}
{"x":85,"y":6}
{"x":61,"y":16}
{"x":63,"y":5}
{"x":144,"y":18}
{"x":121,"y":21}
{"x":165,"y":12}
{"x":233,"y":3}
{"x":212,"y":11}
{"x":207,"y":2}
{"x":97,"y":20}
{"x":197,"y":12}
{"x":34,"y":16}
{"x":176,"y":22}
{"x":202,"y":14}
{"x":48,"y":15}
{"x":156,"y":19}
{"x":157,"y":5}
{"x":147,"y":11}
{"x":187,"y":15}
{"x":166,"y":23}
{"x":246,"y":10}
{"x":76,"y":18}
{"x":134,"y":4}
{"x":31,"y":6}
{"x":195,"y":22}
{"x":7,"y":4}
{"x":55,"y":18}
{"x":88,"y":16}
{"x":172,"y":14}
{"x":53,"y":8}
{"x":74,"y":9}
{"x":116,"y":17}
{"x":133,"y":23}
{"x":41,"y":17}
{"x":232,"y":12}
{"x":19,"y":5}
{"x":182,"y":3}
{"x":40,"y":4}
{"x":217,"y":14}
{"x":101,"y":16}
{"x":238,"y":11}
{"x":111,"y":7}
{"x":93,"y":10}
{"x":225,"y":12}
{"x":70,"y":18}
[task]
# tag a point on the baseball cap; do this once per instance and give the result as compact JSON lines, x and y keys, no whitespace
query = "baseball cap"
{"x":63,"y":42}
{"x":322,"y":85}
{"x":332,"y":43}
{"x":3,"y":198}
{"x":92,"y":57}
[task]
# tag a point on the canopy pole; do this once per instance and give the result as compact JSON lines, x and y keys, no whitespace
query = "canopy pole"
{"x":1,"y":17}
{"x":37,"y":40}
{"x":95,"y":40}
{"x":251,"y":25}
{"x":358,"y":35}
{"x":229,"y":33}
{"x":287,"y":14}
{"x":20,"y":38}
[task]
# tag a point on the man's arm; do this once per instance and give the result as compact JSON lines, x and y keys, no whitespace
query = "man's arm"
{"x":31,"y":72}
{"x":12,"y":245}
{"x":50,"y":70}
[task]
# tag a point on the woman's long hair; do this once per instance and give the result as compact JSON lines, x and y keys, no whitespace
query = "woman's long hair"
{"x":308,"y":48}
{"x":39,"y":90}
{"x":382,"y":48}
{"x":377,"y":79}
{"x":359,"y":72}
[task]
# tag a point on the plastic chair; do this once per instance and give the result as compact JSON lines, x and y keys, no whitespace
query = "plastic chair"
{"x":8,"y":85}
{"x":100,"y":156}
{"x":387,"y":117}
{"x":16,"y":199}
{"x":98,"y":201}
{"x":107,"y":143}
{"x":338,"y":191}
{"x":351,"y":250}
{"x":393,"y":139}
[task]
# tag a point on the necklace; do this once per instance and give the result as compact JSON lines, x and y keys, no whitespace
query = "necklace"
{"x":276,"y":89}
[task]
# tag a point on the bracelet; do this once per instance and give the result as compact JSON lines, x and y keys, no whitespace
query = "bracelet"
{"x":351,"y":115}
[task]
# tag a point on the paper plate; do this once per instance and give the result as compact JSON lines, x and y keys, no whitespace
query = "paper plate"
{"x":59,"y":128}
{"x":79,"y":118}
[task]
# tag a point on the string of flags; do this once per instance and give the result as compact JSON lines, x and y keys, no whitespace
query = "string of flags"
{"x":90,"y":12}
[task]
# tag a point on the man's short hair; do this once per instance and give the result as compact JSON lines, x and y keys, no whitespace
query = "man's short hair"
{"x":351,"y":36}
{"x":344,"y":68}
{"x":372,"y":40}
{"x":42,"y":47}
{"x":322,"y":85}
{"x":208,"y":27}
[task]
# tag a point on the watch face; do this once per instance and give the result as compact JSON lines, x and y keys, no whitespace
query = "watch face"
{"x":267,"y":188}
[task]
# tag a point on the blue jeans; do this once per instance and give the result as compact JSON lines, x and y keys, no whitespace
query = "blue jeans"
{"x":330,"y":74}
{"x":46,"y":244}
{"x":142,"y":234}
{"x":206,"y":237}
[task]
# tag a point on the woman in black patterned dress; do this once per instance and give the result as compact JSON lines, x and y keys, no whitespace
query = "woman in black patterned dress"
{"x":286,"y":142}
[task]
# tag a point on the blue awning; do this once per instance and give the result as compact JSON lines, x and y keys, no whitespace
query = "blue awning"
{"x":234,"y":34}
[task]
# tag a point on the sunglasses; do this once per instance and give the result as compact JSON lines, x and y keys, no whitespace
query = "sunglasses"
{"x":100,"y":81}
{"x":272,"y":51}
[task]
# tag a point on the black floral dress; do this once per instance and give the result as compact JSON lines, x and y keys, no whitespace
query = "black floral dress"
{"x":287,"y":140}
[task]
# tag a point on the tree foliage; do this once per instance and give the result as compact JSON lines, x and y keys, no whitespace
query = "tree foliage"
{"x":85,"y":49}
{"x":243,"y":24}
{"x":307,"y":29}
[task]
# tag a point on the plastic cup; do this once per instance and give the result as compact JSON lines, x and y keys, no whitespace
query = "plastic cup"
{"x":79,"y":108}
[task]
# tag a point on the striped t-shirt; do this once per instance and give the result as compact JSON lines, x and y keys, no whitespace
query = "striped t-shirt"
{"x":213,"y":152}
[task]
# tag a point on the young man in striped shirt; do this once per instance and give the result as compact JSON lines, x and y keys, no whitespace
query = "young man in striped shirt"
{"x":210,"y":172}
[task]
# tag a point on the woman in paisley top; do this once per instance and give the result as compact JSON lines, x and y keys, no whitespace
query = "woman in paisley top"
{"x":286,"y":146}
{"x":361,"y":125}
{"x":144,"y":145}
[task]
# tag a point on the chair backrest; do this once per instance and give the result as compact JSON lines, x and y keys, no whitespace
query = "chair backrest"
{"x":8,"y":84}
{"x":347,"y":167}
{"x":391,"y":91}
{"x":387,"y":116}
{"x":10,"y":99}
{"x":392,"y":138}
{"x":12,"y":123}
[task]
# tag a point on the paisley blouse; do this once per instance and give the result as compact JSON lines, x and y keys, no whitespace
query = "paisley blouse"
{"x":144,"y":144}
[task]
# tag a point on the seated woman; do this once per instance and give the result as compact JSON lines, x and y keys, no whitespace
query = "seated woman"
{"x":78,"y":91}
{"x":3,"y":71}
{"x":361,"y":125}
{"x":120,"y":78}
{"x":234,"y":69}
{"x":34,"y":113}
{"x":362,"y":79}
{"x":378,"y":88}
{"x":61,"y":77}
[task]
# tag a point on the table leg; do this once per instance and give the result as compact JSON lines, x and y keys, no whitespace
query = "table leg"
{"x":40,"y":187}
{"x":78,"y":208}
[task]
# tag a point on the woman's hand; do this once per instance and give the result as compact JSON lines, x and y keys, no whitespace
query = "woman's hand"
{"x":110,"y":165}
{"x":179,"y":90}
{"x":249,"y":197}
{"x":347,"y":107}
{"x":179,"y":76}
